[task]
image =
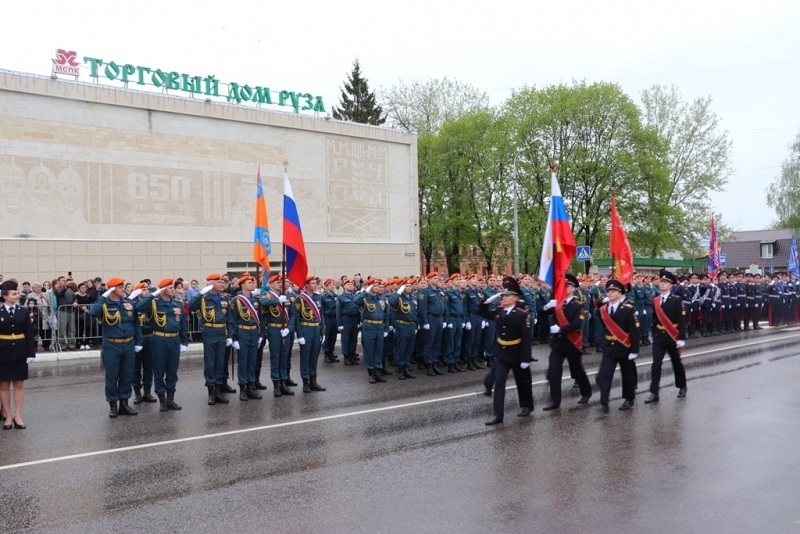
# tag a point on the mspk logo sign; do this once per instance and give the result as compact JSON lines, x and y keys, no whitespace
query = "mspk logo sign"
{"x":66,"y":63}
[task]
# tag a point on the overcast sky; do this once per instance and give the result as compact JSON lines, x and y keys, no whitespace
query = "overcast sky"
{"x":745,"y":57}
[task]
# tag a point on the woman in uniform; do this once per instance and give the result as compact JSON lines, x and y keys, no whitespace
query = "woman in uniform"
{"x":17,"y":350}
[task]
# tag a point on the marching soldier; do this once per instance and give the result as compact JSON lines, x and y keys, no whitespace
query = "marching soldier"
{"x":669,"y":336}
{"x":214,"y":304}
{"x":121,"y":335}
{"x":566,"y":343}
{"x":170,"y":336}
{"x":513,"y":327}
{"x":245,"y":326}
{"x":309,"y":324}
{"x":621,"y":330}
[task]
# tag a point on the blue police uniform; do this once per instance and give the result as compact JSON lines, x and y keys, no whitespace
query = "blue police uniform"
{"x":309,"y":323}
{"x":405,"y":320}
{"x":375,"y":327}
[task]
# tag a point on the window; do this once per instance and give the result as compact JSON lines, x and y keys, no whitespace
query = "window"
{"x":767,"y":250}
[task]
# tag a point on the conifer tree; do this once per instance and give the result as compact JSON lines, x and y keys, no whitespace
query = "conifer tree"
{"x":357,"y":103}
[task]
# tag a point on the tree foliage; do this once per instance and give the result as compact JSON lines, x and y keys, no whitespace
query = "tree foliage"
{"x":357,"y":103}
{"x":784,"y":193}
{"x":423,"y":106}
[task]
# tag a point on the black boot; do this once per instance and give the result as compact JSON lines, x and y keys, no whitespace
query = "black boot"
{"x":316,"y":387}
{"x":400,"y":375}
{"x":211,"y":400}
{"x":451,"y":368}
{"x":372,"y":379}
{"x":407,"y":372}
{"x":112,"y":413}
{"x":162,"y":399}
{"x":488,"y":362}
{"x":252,"y":393}
{"x":379,"y":375}
{"x":285,"y":390}
{"x":137,"y":395}
{"x":384,"y":371}
{"x":225,"y":388}
{"x":290,"y":382}
{"x":348,"y":360}
{"x":329,"y":358}
{"x":148,"y":397}
{"x":306,"y":386}
{"x":124,"y":409}
{"x":218,"y":396}
{"x":437,"y":371}
{"x":259,"y":385}
{"x":430,"y":370}
{"x":171,"y":404}
{"x":470,"y":366}
{"x":478,"y":365}
{"x":276,"y":388}
{"x":458,"y":368}
{"x":421,"y":365}
{"x":243,"y":393}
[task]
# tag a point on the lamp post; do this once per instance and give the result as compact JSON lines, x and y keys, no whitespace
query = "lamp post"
{"x":516,"y":219}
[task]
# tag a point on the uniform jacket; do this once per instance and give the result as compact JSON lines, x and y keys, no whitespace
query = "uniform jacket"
{"x":19,"y":326}
{"x":513,"y":341}
{"x":674,"y":310}
{"x":575,"y":314}
{"x":626,"y":318}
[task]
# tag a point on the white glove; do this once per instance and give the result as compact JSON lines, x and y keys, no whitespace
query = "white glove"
{"x":605,"y":300}
{"x":235,"y":345}
{"x":257,"y":291}
{"x":368,"y":289}
{"x":282,"y":299}
{"x":524,"y":365}
{"x":260,"y":340}
{"x":301,"y":341}
{"x":463,"y":325}
{"x":535,"y":321}
{"x":385,"y":334}
{"x":107,"y":293}
{"x":632,"y":356}
{"x":29,"y":360}
{"x":723,"y":306}
{"x":391,"y":328}
{"x":284,"y":332}
{"x":359,"y":325}
{"x":340,"y":328}
{"x":555,"y":329}
{"x":426,"y":326}
{"x":155,"y":293}
{"x":494,"y":298}
{"x":136,"y":293}
{"x":228,"y":342}
{"x":644,"y":312}
{"x":400,"y":291}
{"x":484,"y":324}
{"x":549,"y":305}
{"x":680,"y":343}
{"x":206,"y":289}
{"x":450,"y":326}
{"x":184,"y":348}
{"x":323,"y":339}
{"x":468,"y":326}
{"x":137,"y":348}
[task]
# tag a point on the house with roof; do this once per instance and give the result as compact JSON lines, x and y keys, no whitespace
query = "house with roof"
{"x":764,"y":251}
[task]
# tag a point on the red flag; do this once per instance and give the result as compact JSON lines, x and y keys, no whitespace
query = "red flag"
{"x":620,"y":249}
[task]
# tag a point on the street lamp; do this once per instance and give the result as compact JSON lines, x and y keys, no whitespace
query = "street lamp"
{"x":516,"y":218}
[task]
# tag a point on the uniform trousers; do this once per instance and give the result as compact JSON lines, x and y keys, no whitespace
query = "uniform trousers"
{"x":489,"y":339}
{"x":331,"y":331}
{"x":372,"y":339}
{"x":143,"y":365}
{"x":248,"y":352}
{"x":576,"y":371}
{"x":404,"y":338}
{"x":477,"y":336}
{"x":349,"y":335}
{"x":166,"y":358}
{"x":605,"y":376}
{"x":277,"y":359}
{"x":118,"y":359}
{"x":214,"y":356}
{"x":309,"y":352}
{"x":453,"y":344}
{"x":522,"y":378}
{"x":660,"y":348}
{"x":433,"y":339}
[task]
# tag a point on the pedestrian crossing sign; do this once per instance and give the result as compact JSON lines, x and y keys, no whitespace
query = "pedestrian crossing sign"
{"x":584,"y":253}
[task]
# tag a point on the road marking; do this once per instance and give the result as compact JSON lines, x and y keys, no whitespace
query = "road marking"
{"x":329,"y":417}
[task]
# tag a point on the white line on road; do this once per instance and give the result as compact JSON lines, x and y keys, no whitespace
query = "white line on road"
{"x":331,"y":417}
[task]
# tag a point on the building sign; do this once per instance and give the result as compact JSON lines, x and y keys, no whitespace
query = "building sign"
{"x":66,"y":63}
{"x":204,"y":86}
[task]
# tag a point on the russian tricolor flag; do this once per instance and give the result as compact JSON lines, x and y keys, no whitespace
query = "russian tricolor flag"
{"x":559,"y":242}
{"x":296,"y":263}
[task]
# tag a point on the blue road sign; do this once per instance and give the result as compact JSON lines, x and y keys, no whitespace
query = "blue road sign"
{"x":723,"y":259}
{"x":584,"y":253}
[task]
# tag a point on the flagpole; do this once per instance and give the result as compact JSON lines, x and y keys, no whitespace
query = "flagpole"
{"x":283,"y":258}
{"x":612,"y":274}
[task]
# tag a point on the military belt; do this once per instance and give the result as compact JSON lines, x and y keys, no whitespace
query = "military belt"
{"x":214,"y":325}
{"x":276,"y":325}
{"x":434,"y":315}
{"x":118,"y":339}
{"x":400,"y":321}
{"x":166,"y":334}
{"x":774,"y":296}
{"x":750,"y":298}
{"x":12,"y":337}
{"x":457,"y":316}
{"x":660,"y":327}
{"x":247,"y":326}
{"x":146,"y":335}
{"x":614,"y":338}
{"x":303,"y":323}
{"x":372,"y":321}
{"x":508,"y":343}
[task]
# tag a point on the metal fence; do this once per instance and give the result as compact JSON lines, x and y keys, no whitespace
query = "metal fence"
{"x":70,"y":327}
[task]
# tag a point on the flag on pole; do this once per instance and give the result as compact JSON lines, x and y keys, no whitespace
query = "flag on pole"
{"x":619,"y":247}
{"x":793,"y":266}
{"x":714,"y":261}
{"x":559,"y":245}
{"x":296,"y":263}
{"x":261,"y":242}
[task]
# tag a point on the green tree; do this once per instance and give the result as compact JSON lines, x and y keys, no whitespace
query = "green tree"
{"x":784,"y":193}
{"x":357,"y":103}
{"x":698,"y":159}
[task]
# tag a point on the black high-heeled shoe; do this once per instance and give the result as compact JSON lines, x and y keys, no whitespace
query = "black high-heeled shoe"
{"x":7,"y":427}
{"x":20,"y":427}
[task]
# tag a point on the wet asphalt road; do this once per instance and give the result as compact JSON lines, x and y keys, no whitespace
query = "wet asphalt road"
{"x":415,"y":456}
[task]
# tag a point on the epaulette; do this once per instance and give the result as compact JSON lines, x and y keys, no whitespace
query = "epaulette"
{"x":627,"y":305}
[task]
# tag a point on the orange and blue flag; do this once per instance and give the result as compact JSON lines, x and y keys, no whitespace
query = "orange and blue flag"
{"x":296,"y":263}
{"x":714,"y":250}
{"x":261,"y":242}
{"x":559,"y":244}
